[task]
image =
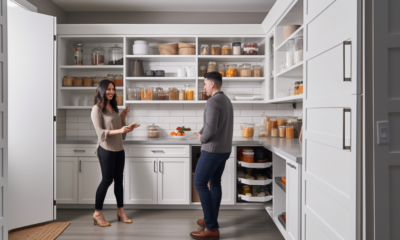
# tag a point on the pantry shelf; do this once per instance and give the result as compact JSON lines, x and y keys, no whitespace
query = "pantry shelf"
{"x":159,"y":79}
{"x":161,"y":102}
{"x":84,"y":88}
{"x":295,"y":71}
{"x":163,"y":58}
{"x":255,"y":199}
{"x":242,"y":102}
{"x":280,"y":183}
{"x":240,"y":79}
{"x":231,"y":58}
{"x":92,"y":67}
{"x":297,"y":33}
{"x":255,"y":165}
{"x":290,"y":99}
{"x":82,"y":107}
{"x":255,"y":182}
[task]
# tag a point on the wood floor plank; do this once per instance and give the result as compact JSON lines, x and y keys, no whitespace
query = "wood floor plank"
{"x":167,"y":225}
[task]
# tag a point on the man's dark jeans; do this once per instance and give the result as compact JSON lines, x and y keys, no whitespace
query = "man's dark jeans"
{"x":209,"y":169}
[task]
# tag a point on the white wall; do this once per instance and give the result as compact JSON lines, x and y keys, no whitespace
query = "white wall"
{"x":49,"y":8}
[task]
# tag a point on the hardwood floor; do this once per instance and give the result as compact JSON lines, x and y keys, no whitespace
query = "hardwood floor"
{"x":167,"y":224}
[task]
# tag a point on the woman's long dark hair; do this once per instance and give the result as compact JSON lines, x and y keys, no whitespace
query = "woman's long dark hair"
{"x":100,"y":99}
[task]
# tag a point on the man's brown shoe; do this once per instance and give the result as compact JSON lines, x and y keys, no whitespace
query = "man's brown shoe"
{"x":201,"y":223}
{"x":205,"y":234}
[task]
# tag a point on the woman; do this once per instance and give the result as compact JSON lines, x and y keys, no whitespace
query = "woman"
{"x":111,"y":129}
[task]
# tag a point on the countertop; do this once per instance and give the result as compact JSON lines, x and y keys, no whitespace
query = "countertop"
{"x":287,"y":148}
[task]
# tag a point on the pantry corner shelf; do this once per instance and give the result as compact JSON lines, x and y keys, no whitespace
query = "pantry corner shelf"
{"x":163,"y":58}
{"x":255,"y":199}
{"x":295,"y":71}
{"x":255,"y":182}
{"x":92,"y":67}
{"x":297,"y":33}
{"x":280,"y":183}
{"x":281,"y":221}
{"x":255,"y":165}
{"x":159,"y":79}
{"x":290,"y":99}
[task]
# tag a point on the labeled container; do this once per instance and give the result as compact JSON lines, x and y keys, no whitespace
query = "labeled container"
{"x":118,"y":81}
{"x":245,"y":70}
{"x":88,"y":82}
{"x":250,"y":49}
{"x":256,"y":71}
{"x":282,"y":131}
{"x":221,"y":69}
{"x":98,"y":56}
{"x":231,"y":70}
{"x":173,"y":94}
{"x":202,"y":70}
{"x":78,"y":54}
{"x":181,"y":95}
{"x":236,"y":48}
{"x":153,"y":131}
{"x":212,"y":67}
{"x":189,"y":92}
{"x":215,"y":49}
{"x":78,"y":81}
{"x":226,"y":49}
{"x":68,"y":81}
{"x":134,"y":93}
{"x":115,"y":55}
{"x":204,"y":49}
{"x":247,"y":129}
{"x":146,"y":94}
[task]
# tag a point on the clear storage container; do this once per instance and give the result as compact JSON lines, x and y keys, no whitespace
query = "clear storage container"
{"x":236,"y":48}
{"x":221,"y":69}
{"x":202,"y":70}
{"x":226,"y":49}
{"x":153,"y":131}
{"x":115,"y":55}
{"x":189,"y":92}
{"x":215,"y":49}
{"x":298,"y":50}
{"x":88,"y":81}
{"x":173,"y":94}
{"x":134,"y":93}
{"x":98,"y":56}
{"x":212,"y":67}
{"x":247,"y":129}
{"x":231,"y":70}
{"x":250,"y":49}
{"x":78,"y":54}
{"x":256,"y":71}
{"x":118,"y":81}
{"x":204,"y":49}
{"x":181,"y":95}
{"x":245,"y":70}
{"x":147,"y":94}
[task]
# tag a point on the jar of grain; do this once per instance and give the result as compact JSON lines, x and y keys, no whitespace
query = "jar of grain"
{"x":245,"y":70}
{"x":68,"y":81}
{"x":256,"y":72}
{"x":202,"y":70}
{"x":301,"y":87}
{"x":162,"y":95}
{"x":289,"y":130}
{"x":282,"y":131}
{"x":215,"y":49}
{"x":280,"y":121}
{"x":147,"y":94}
{"x":181,"y":95}
{"x":78,"y":81}
{"x":226,"y":50}
{"x":153,"y":131}
{"x":189,"y":92}
{"x":118,"y":80}
{"x":212,"y":67}
{"x":88,"y":82}
{"x":134,"y":93}
{"x":156,"y":90}
{"x":120,"y":99}
{"x":231,"y":70}
{"x":274,"y":132}
{"x":204,"y":49}
{"x":221,"y":69}
{"x":274,"y":122}
{"x":236,"y":48}
{"x":247,"y":129}
{"x":173,"y":94}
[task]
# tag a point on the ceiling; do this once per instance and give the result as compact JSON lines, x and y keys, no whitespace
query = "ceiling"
{"x":165,"y":5}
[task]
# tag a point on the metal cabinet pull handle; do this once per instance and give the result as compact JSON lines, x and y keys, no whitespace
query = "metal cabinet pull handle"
{"x":79,"y":151}
{"x":290,"y":165}
{"x":157,"y":151}
{"x":346,"y":57}
{"x":155,"y":164}
{"x":344,"y":129}
{"x":80,"y":165}
{"x":159,"y":167}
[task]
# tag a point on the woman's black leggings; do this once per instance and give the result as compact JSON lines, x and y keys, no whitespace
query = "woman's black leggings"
{"x":112,"y":168}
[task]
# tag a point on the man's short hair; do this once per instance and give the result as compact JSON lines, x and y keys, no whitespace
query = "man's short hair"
{"x":216,"y":77}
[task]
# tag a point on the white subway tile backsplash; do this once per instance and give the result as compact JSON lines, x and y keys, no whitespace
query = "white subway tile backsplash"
{"x":171,"y":107}
{"x":135,"y":112}
{"x":171,"y":120}
{"x":183,"y":113}
{"x":200,"y":113}
{"x":77,"y":113}
{"x":251,"y":113}
{"x":158,"y":113}
{"x":78,"y":126}
{"x":243,"y":120}
{"x":285,"y":106}
{"x":199,"y":126}
{"x":244,"y":106}
{"x":71,"y":133}
{"x":193,"y":120}
{"x":144,"y":119}
{"x":194,"y":106}
{"x":264,"y":106}
{"x":236,"y":126}
{"x":91,"y":133}
{"x":84,"y":119}
{"x":148,"y":106}
{"x":71,"y":119}
{"x":236,"y":113}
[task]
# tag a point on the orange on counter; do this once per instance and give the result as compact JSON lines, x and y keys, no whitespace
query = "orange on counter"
{"x":172,"y":134}
{"x":283,"y":180}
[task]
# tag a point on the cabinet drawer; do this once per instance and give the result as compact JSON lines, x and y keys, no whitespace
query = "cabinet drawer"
{"x":156,"y":150}
{"x":76,"y":150}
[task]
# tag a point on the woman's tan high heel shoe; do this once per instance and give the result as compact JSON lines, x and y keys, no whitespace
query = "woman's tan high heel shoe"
{"x":107,"y":224}
{"x":125,"y":221}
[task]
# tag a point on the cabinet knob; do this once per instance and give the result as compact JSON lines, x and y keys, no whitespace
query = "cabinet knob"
{"x":290,"y":165}
{"x":81,"y":151}
{"x":157,"y":151}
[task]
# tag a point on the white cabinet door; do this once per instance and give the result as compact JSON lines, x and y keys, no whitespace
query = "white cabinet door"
{"x":31,"y":55}
{"x":67,"y":179}
{"x":141,"y":181}
{"x":228,"y":183}
{"x":173,"y":181}
{"x":293,"y":200}
{"x":89,"y":180}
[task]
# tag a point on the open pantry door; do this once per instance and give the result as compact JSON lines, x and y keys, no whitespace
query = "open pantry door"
{"x":332,"y":120}
{"x":31,"y":38}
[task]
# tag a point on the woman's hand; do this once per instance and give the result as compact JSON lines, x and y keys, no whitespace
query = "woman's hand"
{"x":124,"y":114}
{"x":198,"y":136}
{"x":125,"y":129}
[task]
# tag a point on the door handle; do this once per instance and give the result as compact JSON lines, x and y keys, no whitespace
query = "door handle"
{"x":347,"y":61}
{"x":80,"y":165}
{"x":155,"y":164}
{"x":159,"y":166}
{"x":290,"y":165}
{"x":82,"y":151}
{"x":157,"y":151}
{"x":347,"y":147}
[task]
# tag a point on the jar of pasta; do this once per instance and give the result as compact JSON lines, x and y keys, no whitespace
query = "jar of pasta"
{"x":289,"y":130}
{"x":202,"y":70}
{"x":215,"y":49}
{"x":226,"y":50}
{"x":247,"y":129}
{"x":221,"y":69}
{"x":231,"y":70}
{"x":245,"y":70}
{"x":256,"y":71}
{"x":147,"y":94}
{"x":181,"y":95}
{"x":189,"y":92}
{"x":212,"y":67}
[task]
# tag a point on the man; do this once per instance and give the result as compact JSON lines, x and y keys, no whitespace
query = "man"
{"x":216,"y":138}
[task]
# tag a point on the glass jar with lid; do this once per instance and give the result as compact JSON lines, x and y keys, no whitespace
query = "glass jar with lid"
{"x":215,"y":49}
{"x":156,"y":90}
{"x":147,"y":94}
{"x":221,"y":69}
{"x":119,"y":97}
{"x":296,"y":88}
{"x":247,"y":129}
{"x":111,"y":77}
{"x":231,"y":70}
{"x":212,"y":67}
{"x":162,"y":95}
{"x":118,"y":80}
{"x":98,"y":56}
{"x":282,"y":131}
{"x":115,"y":55}
{"x":202,"y":70}
{"x":236,"y":48}
{"x":245,"y":70}
{"x":134,"y":93}
{"x":203,"y":96}
{"x":181,"y":95}
{"x":250,"y":49}
{"x":88,"y":81}
{"x":300,"y":91}
{"x":289,"y":130}
{"x":226,"y":49}
{"x":68,"y":81}
{"x":173,"y":94}
{"x":290,"y":53}
{"x":78,"y":81}
{"x":298,"y":50}
{"x":256,"y":71}
{"x":78,"y":54}
{"x":189,"y":92}
{"x":153,"y":131}
{"x":204,"y":49}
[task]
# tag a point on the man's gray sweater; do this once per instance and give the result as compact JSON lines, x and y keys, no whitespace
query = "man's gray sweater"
{"x":217,"y":131}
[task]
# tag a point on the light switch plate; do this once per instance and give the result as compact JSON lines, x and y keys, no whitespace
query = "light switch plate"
{"x":382,"y":128}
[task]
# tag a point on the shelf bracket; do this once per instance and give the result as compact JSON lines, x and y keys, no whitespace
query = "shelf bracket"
{"x":294,"y":105}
